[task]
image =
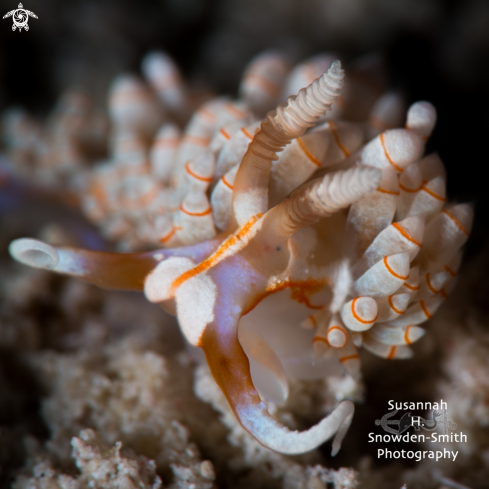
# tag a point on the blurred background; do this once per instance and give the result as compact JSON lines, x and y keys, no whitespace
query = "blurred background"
{"x":435,"y":50}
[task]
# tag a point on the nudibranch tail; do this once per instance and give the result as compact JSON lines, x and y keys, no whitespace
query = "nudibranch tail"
{"x":123,"y":271}
{"x":231,"y":369}
{"x":250,"y":195}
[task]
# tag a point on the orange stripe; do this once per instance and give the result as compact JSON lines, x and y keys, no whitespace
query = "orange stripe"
{"x":313,"y":321}
{"x":267,"y":85}
{"x":406,"y":336}
{"x":165,"y":238}
{"x":456,"y":221}
{"x":209,"y":262}
{"x":397,"y":167}
{"x":196,"y":214}
{"x":246,"y":133}
{"x":341,"y":329}
{"x":318,"y":338}
{"x":411,"y":287}
{"x":444,"y":293}
{"x":357,"y":317}
{"x":383,"y":190}
{"x":189,"y":139}
{"x":430,"y":192}
{"x":425,"y":310}
{"x":235,"y":111}
{"x":430,"y":286}
{"x":450,"y":271}
{"x":392,"y":352}
{"x":397,"y":311}
{"x":224,"y":133}
{"x":405,"y":234}
{"x":225,"y":182}
{"x":198,"y":177}
{"x":349,"y":357}
{"x":337,"y":139}
{"x":410,"y":190}
{"x":389,"y":269}
{"x":308,"y":154}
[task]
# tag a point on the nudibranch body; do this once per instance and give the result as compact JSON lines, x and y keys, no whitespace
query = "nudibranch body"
{"x":358,"y":236}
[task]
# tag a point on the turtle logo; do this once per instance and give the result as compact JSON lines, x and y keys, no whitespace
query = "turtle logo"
{"x":20,"y":16}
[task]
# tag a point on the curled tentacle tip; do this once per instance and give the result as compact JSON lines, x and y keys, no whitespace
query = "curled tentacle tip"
{"x":34,"y":253}
{"x":294,"y":443}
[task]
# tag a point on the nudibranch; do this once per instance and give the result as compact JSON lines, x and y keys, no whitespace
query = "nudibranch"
{"x":365,"y":242}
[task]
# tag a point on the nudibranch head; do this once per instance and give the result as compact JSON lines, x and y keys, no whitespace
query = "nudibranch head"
{"x":352,"y":237}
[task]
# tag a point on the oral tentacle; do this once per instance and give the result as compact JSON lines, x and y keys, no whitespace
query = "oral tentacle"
{"x":109,"y":270}
{"x":231,"y":370}
{"x":119,"y":271}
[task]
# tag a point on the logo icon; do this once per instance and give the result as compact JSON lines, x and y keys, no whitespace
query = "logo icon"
{"x":418,"y":422}
{"x":20,"y":16}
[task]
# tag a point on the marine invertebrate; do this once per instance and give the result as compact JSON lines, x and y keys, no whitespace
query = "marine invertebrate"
{"x":365,"y":289}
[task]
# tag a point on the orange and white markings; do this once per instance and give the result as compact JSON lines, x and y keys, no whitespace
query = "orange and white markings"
{"x":360,"y":313}
{"x":386,"y":191}
{"x":310,"y":322}
{"x":429,"y":200}
{"x":387,"y":155}
{"x":309,"y":155}
{"x":394,"y":269}
{"x":445,"y":234}
{"x":385,"y":277}
{"x":394,"y":148}
{"x":336,"y":138}
{"x":430,"y":192}
{"x":225,"y":182}
{"x":165,"y":238}
{"x":387,"y":351}
{"x":195,"y":175}
{"x":337,"y":336}
{"x":420,"y":311}
{"x":457,"y":222}
{"x":412,"y":284}
{"x":395,"y":335}
{"x":405,"y":234}
{"x":229,"y":247}
{"x":246,"y":133}
{"x":434,"y":283}
{"x":393,"y":306}
{"x":299,"y":291}
{"x":221,"y":199}
{"x":224,"y":133}
{"x":205,"y":212}
{"x":410,"y":190}
{"x":425,"y":310}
